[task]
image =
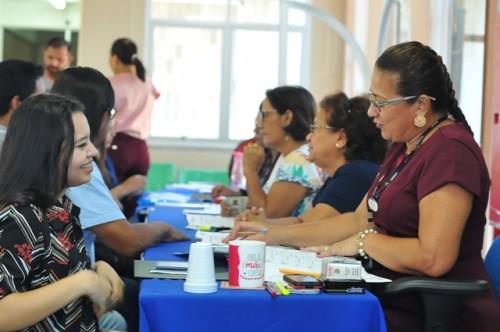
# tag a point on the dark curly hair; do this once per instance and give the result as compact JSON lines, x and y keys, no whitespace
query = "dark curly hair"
{"x":363,"y":138}
{"x":422,"y":71}
{"x":300,"y":102}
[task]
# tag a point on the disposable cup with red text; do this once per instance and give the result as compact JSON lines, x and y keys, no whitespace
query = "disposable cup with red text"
{"x":246,"y":263}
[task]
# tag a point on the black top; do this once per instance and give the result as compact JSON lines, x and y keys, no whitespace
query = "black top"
{"x":345,"y":189}
{"x":39,"y":247}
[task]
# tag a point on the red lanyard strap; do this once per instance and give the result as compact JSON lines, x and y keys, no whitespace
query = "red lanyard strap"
{"x":373,"y":200}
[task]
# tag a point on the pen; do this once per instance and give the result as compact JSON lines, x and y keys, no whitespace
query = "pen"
{"x":270,"y":289}
{"x":272,"y":284}
{"x":283,"y":290}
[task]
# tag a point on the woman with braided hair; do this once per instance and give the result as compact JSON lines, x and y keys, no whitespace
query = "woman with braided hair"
{"x":425,"y":212}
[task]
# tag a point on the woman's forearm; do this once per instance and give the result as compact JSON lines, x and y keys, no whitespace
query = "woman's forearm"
{"x":322,"y":232}
{"x":20,"y":310}
{"x":284,"y":221}
{"x":256,"y":195}
{"x":408,"y":258}
{"x":119,"y":191}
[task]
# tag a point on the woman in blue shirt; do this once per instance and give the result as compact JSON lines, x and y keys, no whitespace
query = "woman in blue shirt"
{"x":347,"y":146}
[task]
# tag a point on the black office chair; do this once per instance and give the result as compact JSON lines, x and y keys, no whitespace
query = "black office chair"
{"x":441,"y":298}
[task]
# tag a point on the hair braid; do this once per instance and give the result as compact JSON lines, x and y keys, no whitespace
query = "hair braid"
{"x":454,"y":109}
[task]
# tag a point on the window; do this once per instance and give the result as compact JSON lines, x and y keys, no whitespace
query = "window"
{"x":467,"y":59}
{"x":212,"y":61}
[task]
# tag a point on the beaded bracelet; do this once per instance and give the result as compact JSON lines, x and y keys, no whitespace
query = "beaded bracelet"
{"x":361,"y":244}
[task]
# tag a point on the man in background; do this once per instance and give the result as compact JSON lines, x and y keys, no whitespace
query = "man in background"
{"x":17,"y":82}
{"x":56,"y":57}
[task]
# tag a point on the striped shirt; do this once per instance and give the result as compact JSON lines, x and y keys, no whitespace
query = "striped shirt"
{"x":39,"y":247}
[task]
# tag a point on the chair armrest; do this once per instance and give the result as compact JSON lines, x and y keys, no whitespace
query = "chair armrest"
{"x":441,"y":298}
{"x":437,"y":286}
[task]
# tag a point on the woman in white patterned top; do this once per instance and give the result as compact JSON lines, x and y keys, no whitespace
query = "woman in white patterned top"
{"x":283,"y":121}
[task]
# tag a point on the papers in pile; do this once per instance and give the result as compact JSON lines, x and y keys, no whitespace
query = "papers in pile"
{"x":196,"y":220}
{"x":281,"y":260}
{"x":211,"y":237}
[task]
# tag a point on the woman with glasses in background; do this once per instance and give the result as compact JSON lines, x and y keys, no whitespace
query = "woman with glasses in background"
{"x":283,"y":121}
{"x":347,"y":146}
{"x":425,"y":212}
{"x":270,"y":157}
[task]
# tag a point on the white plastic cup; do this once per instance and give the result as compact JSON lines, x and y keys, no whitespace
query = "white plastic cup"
{"x":246,"y":263}
{"x":201,"y":270}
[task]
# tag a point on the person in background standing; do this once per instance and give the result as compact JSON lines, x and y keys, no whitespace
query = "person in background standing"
{"x":56,"y":57}
{"x":134,"y":99}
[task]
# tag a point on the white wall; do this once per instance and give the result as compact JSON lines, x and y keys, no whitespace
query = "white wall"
{"x":102,"y":21}
{"x":36,"y":15}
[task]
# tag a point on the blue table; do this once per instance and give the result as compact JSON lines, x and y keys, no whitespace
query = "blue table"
{"x":164,"y":306}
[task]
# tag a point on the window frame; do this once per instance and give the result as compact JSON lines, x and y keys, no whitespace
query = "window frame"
{"x":228,"y":29}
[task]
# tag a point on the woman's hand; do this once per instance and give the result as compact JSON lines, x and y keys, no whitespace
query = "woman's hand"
{"x":104,"y":270}
{"x":252,"y":214}
{"x":347,"y":247}
{"x":221,"y":190}
{"x":98,"y":289}
{"x":174,"y":235}
{"x":135,"y":184}
{"x":253,"y":158}
{"x":252,"y":230}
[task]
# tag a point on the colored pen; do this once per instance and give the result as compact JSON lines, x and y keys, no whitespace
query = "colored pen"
{"x":273,"y":286}
{"x":270,"y":289}
{"x":283,"y":290}
{"x":276,"y":288}
{"x":213,"y":228}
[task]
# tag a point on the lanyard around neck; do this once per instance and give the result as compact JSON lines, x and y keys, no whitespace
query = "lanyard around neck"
{"x":373,"y":200}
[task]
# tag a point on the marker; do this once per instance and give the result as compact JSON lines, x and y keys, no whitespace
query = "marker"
{"x":283,"y":290}
{"x":213,"y":228}
{"x":270,"y":289}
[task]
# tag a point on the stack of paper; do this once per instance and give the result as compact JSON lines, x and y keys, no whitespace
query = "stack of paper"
{"x":281,"y":260}
{"x":169,"y":197}
{"x":196,"y":220}
{"x":208,"y":208}
{"x":210,"y":237}
{"x":201,"y":187}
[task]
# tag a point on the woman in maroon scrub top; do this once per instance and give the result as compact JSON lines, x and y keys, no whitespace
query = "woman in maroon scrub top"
{"x":429,"y":200}
{"x":425,"y":212}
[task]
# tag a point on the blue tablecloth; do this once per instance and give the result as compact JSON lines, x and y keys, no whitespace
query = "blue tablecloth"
{"x":164,"y":306}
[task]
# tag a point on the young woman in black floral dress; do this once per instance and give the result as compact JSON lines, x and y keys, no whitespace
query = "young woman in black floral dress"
{"x":46,"y":282}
